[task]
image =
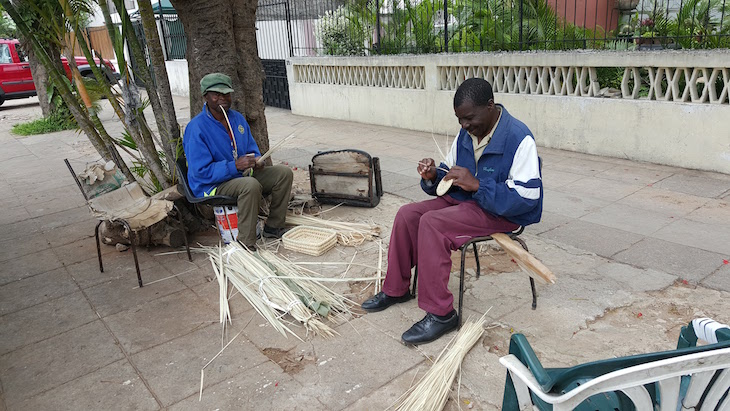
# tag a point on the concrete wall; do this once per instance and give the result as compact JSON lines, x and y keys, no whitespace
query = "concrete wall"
{"x":676,"y":132}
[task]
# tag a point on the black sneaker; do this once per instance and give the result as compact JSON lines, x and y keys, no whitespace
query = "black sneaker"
{"x":270,"y":232}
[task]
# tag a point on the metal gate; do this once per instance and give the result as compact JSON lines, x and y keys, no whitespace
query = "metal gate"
{"x":274,"y":42}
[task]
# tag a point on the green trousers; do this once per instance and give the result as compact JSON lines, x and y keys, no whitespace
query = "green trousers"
{"x":274,"y":180}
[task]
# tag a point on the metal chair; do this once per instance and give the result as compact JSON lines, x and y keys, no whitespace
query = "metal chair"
{"x":132,"y":189}
{"x":181,"y":167}
{"x":464,"y":248}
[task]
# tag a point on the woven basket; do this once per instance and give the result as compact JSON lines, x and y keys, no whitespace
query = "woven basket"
{"x":309,"y":240}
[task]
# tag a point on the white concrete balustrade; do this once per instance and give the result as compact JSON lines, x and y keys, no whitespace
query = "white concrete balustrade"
{"x":683,"y":121}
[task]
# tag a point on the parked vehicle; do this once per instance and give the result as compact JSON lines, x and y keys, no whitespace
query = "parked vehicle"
{"x":16,"y":80}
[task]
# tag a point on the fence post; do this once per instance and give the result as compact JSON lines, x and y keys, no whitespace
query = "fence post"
{"x":377,"y":26}
{"x":446,"y":26}
{"x":288,"y":29}
{"x":521,"y":24}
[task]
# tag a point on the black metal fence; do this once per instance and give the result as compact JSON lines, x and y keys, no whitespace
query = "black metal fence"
{"x":368,"y":27}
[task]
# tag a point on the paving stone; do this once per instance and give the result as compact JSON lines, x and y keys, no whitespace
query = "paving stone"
{"x":29,"y":265}
{"x":720,"y":279}
{"x":159,"y":321}
{"x":69,"y":233}
{"x":579,"y":166}
{"x":33,"y":290}
{"x":636,"y":279}
{"x":37,"y":209}
{"x":44,"y":320}
{"x":172,"y":369}
{"x":602,"y":240}
{"x":635,"y":174}
{"x":123,"y":293}
{"x":568,"y":304}
{"x":688,"y":263}
{"x":548,"y":222}
{"x":11,"y":249}
{"x":627,"y":218}
{"x":570,"y":205}
{"x":394,"y":182}
{"x":696,"y":183}
{"x":117,"y":265}
{"x":386,"y":395}
{"x":413,"y":193}
{"x":350,"y":366}
{"x":664,"y":201}
{"x":13,"y":214}
{"x":115,"y":386}
{"x":82,"y":250}
{"x":710,"y":237}
{"x":263,"y":387}
{"x":713,"y":212}
{"x":40,"y":367}
{"x":553,"y":178}
{"x":600,"y":188}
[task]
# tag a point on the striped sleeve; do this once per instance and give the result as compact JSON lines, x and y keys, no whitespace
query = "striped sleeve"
{"x":524,"y":175}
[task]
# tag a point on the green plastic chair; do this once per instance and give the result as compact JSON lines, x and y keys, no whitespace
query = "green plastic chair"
{"x":689,"y":378}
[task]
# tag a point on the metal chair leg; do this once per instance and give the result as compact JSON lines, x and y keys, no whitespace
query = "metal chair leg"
{"x":98,"y":246}
{"x":182,"y":227}
{"x":461,"y":282}
{"x":476,"y":258}
{"x":132,"y":241}
{"x":415,"y":282}
{"x":532,"y":280}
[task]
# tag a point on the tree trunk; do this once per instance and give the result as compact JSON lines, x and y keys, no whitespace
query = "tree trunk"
{"x":41,"y":79}
{"x":221,"y":37}
{"x":166,"y":118}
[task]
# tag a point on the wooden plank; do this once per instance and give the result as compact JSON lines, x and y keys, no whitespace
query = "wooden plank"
{"x":342,"y":162}
{"x":531,"y":265}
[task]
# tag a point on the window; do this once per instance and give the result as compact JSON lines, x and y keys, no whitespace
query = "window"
{"x":5,"y":57}
{"x":21,"y":53}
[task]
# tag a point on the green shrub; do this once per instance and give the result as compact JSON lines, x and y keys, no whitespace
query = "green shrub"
{"x":59,"y":120}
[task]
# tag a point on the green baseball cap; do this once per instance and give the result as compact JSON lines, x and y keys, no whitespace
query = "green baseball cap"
{"x":218,"y":82}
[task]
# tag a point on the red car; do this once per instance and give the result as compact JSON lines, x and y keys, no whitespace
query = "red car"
{"x":16,"y":80}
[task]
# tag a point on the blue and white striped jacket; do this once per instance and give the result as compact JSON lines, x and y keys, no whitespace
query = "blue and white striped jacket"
{"x":510,"y":182}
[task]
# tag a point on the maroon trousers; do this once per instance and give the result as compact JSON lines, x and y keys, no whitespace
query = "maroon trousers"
{"x":425,"y":234}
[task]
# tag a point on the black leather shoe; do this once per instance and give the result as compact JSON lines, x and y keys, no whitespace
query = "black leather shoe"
{"x":429,"y":329}
{"x":271,"y":232}
{"x":381,"y":301}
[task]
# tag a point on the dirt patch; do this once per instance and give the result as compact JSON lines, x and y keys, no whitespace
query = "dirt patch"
{"x":291,"y":364}
{"x":491,"y":260}
{"x":496,"y":339}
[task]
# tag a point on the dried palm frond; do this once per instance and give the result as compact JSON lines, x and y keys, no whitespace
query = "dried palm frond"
{"x":269,"y":295}
{"x":351,"y":234}
{"x":432,"y":391}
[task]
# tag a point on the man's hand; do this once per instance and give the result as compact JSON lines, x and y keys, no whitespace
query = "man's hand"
{"x":245,"y":162}
{"x":427,"y":169}
{"x":463,"y":178}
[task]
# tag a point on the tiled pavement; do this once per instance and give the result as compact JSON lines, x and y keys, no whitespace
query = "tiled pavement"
{"x":622,"y":237}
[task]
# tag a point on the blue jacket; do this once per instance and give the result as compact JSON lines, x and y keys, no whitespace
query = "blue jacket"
{"x":210,"y":152}
{"x":510,"y":182}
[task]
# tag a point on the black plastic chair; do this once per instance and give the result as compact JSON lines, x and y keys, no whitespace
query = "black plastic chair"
{"x":181,"y":167}
{"x":464,"y":248}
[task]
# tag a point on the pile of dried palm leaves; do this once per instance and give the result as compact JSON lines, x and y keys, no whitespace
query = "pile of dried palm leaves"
{"x":351,"y":234}
{"x":275,"y":288}
{"x":432,"y":391}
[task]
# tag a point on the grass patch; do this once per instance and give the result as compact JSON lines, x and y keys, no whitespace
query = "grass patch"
{"x":44,"y":125}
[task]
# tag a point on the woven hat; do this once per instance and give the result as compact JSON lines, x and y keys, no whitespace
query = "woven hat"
{"x":218,"y":82}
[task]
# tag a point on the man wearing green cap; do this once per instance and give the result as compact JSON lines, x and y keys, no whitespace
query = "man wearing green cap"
{"x":222,"y":159}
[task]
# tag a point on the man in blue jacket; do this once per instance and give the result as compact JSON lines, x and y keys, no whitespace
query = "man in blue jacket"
{"x":222,"y":159}
{"x":496,"y":187}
